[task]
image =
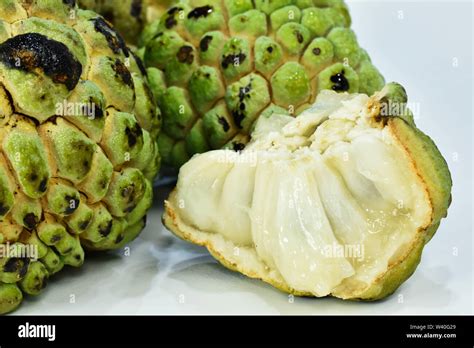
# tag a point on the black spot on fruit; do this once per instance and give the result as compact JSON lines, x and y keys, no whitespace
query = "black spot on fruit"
{"x":140,"y":64}
{"x":84,"y":224}
{"x":185,"y":55}
{"x":205,"y":42}
{"x":238,"y":147}
{"x":3,"y":209}
{"x":136,"y":9}
{"x":170,"y":20}
{"x":67,"y":251}
{"x":224,"y":123}
{"x":122,"y":71}
{"x":299,"y":36}
{"x":72,"y":205}
{"x":340,"y":82}
{"x":119,"y":238}
{"x":199,"y":12}
{"x":16,"y":265}
{"x":233,"y":59}
{"x":114,"y":40}
{"x":33,"y":52}
{"x":270,"y":49}
{"x":30,"y":221}
{"x":316,"y":51}
{"x":56,"y":238}
{"x":106,"y":229}
{"x":43,"y":186}
{"x":70,"y":3}
{"x":133,"y":134}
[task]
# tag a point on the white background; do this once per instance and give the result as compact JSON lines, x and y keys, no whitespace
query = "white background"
{"x":426,"y":46}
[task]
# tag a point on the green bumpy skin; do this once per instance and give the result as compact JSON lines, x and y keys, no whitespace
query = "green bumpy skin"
{"x":207,"y":51}
{"x":78,"y":142}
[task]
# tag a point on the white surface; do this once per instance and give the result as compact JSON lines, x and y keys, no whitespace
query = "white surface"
{"x":163,"y":275}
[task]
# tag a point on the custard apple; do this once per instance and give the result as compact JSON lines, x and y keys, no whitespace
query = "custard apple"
{"x":78,"y":128}
{"x":220,"y":65}
{"x":339,"y":201}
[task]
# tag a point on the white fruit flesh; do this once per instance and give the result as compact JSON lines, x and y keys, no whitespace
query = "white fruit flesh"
{"x":324,"y":205}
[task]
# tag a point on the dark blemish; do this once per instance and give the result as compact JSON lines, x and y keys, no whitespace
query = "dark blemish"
{"x":114,"y":40}
{"x":70,"y":3}
{"x":224,"y":123}
{"x":171,"y":21}
{"x":299,"y":36}
{"x":232,"y":59}
{"x":270,"y":49}
{"x":130,"y":208}
{"x":32,"y":52}
{"x":83,"y":225}
{"x":3,"y":209}
{"x":123,"y":72}
{"x":67,"y":251}
{"x":30,"y":221}
{"x":33,"y":177}
{"x":43,"y":186}
{"x":133,"y":134}
{"x":71,"y":201}
{"x":244,"y":91}
{"x":56,"y":238}
{"x":119,"y":238}
{"x":238,"y":147}
{"x":136,"y":9}
{"x":140,"y":64}
{"x":12,"y":265}
{"x":316,"y":51}
{"x":205,"y":42}
{"x":105,"y":231}
{"x":340,"y":82}
{"x":78,"y":257}
{"x":199,"y":12}
{"x":185,"y":55}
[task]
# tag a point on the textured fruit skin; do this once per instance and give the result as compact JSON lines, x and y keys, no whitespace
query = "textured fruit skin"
{"x":215,"y":77}
{"x":430,"y":166}
{"x":78,"y":150}
{"x":129,"y":17}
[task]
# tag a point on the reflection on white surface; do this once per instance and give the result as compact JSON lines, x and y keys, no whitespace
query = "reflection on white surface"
{"x":164,"y":275}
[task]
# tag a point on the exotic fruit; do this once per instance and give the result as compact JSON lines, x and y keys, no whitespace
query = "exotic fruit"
{"x":339,"y":201}
{"x":77,"y":142}
{"x":222,"y":64}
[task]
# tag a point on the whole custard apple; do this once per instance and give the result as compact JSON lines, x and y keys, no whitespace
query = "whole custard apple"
{"x":220,"y":65}
{"x":78,"y":151}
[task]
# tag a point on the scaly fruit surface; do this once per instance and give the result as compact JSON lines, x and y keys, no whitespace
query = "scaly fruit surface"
{"x":222,"y":64}
{"x":78,"y":151}
{"x":339,"y":201}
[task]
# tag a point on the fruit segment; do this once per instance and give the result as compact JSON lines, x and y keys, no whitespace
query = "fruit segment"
{"x":339,"y":201}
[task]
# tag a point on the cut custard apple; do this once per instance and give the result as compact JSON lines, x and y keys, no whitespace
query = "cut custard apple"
{"x":222,"y":64}
{"x":78,"y":151}
{"x":129,"y":16}
{"x":339,"y":201}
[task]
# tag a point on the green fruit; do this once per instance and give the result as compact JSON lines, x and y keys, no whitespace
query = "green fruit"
{"x":217,"y":52}
{"x":338,"y":202}
{"x":78,"y":130}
